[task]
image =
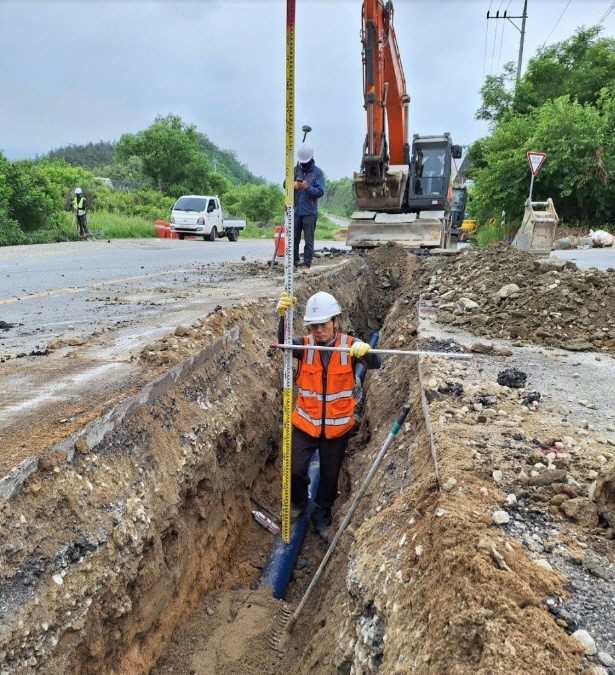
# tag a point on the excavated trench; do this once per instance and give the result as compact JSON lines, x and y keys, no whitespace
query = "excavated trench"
{"x":130,"y":547}
{"x":113,"y":538}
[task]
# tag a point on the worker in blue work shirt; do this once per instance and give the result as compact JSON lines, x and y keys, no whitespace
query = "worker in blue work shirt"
{"x":309,"y":188}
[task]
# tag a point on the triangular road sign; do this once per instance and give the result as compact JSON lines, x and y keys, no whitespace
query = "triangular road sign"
{"x":535,"y":160}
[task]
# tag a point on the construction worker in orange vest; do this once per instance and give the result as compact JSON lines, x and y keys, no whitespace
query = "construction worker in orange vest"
{"x":323,"y":414}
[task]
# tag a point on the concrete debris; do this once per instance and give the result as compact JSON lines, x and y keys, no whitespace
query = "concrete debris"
{"x":586,"y":640}
{"x":606,"y":659}
{"x":500,"y":517}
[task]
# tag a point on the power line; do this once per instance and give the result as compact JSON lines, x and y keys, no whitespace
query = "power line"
{"x":502,"y":36}
{"x":608,"y":11}
{"x":495,"y":37}
{"x":486,"y":37}
{"x":555,"y":26}
{"x":521,"y":30}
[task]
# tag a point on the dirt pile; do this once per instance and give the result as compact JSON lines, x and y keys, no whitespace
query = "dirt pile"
{"x":504,"y":293}
{"x":431,"y":583}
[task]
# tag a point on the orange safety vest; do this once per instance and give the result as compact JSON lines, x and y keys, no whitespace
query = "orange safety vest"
{"x":332,"y":400}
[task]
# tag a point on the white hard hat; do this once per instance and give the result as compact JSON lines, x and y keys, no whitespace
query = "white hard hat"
{"x":305,"y":152}
{"x":78,"y":191}
{"x":320,"y":308}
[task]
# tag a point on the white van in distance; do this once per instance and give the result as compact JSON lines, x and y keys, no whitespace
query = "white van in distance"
{"x":201,"y":215}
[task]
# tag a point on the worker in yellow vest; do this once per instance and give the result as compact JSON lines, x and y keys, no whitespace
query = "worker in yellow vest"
{"x":323,"y":415}
{"x":79,"y":208}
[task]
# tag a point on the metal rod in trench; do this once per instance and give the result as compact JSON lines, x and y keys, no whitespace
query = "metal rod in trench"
{"x":398,"y":352}
{"x":353,"y":507}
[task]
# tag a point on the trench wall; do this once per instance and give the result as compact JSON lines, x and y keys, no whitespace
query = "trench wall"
{"x":110,"y":537}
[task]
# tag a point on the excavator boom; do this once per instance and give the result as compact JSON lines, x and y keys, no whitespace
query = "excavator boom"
{"x":403,"y":192}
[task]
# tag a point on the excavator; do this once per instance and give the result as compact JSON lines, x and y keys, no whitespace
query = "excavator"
{"x":403,"y":191}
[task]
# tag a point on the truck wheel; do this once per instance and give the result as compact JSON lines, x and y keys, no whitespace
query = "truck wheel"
{"x":233,"y":235}
{"x":180,"y":235}
{"x":212,"y":235}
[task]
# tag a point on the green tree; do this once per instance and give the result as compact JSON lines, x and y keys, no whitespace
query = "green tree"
{"x":580,"y":66}
{"x":564,"y":106}
{"x":171,"y":154}
{"x":339,"y":197}
{"x":34,"y":200}
{"x":497,"y":94}
{"x":258,"y":203}
{"x":578,"y":173}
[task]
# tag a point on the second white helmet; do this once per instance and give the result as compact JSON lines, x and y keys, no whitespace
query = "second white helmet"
{"x":78,"y":191}
{"x":320,"y":308}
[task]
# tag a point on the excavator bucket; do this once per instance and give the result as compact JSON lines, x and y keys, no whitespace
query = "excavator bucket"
{"x":537,"y":232}
{"x":385,"y":195}
{"x":423,"y":230}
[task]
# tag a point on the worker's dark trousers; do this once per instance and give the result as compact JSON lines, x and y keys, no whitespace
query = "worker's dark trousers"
{"x":82,"y":224}
{"x":307,"y":224}
{"x":331,"y":456}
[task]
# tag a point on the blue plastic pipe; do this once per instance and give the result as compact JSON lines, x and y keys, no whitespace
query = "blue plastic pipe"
{"x":283,"y":557}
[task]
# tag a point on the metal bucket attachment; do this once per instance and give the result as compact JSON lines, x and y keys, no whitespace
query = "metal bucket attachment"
{"x":368,"y":229}
{"x":381,"y":196}
{"x":537,"y":232}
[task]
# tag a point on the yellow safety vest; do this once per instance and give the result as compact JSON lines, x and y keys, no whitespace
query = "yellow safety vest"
{"x":79,"y":205}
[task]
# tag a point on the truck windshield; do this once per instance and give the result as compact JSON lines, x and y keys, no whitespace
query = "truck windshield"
{"x":190,"y":204}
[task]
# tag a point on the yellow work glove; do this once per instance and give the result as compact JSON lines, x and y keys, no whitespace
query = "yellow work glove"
{"x":359,"y":349}
{"x":285,"y":302}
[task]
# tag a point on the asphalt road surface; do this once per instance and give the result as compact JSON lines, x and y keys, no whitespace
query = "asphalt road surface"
{"x":49,"y":288}
{"x":75,"y":316}
{"x":600,"y":258}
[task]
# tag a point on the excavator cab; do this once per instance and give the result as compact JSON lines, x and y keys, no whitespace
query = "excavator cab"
{"x":458,"y":209}
{"x":412,"y":206}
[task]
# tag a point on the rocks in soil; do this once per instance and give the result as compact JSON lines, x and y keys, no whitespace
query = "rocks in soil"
{"x":500,"y":517}
{"x":512,"y":377}
{"x":549,"y":301}
{"x":530,"y":397}
{"x":582,"y":510}
{"x":586,"y":640}
{"x":604,"y":494}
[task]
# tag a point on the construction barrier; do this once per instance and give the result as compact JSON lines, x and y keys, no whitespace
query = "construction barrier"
{"x":280,"y":240}
{"x":163,"y":230}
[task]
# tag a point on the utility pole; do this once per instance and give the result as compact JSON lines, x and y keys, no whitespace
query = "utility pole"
{"x":521,"y":30}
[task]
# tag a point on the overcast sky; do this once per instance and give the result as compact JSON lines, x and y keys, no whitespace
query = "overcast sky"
{"x":81,"y":71}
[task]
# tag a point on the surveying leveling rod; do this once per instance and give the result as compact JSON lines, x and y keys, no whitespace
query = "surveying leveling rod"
{"x":289,"y":204}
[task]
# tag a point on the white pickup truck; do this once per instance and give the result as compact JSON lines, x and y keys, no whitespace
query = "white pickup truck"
{"x":201,"y":215}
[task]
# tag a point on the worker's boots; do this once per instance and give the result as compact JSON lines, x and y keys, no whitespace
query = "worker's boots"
{"x":321,"y":520}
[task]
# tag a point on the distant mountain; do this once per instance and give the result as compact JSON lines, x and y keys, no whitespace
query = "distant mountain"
{"x":97,"y":155}
{"x":89,"y":156}
{"x":226,"y":163}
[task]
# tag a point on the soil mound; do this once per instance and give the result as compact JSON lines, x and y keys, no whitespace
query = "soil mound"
{"x":504,"y":293}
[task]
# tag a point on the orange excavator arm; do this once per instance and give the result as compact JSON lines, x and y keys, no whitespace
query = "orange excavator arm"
{"x":384,"y":87}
